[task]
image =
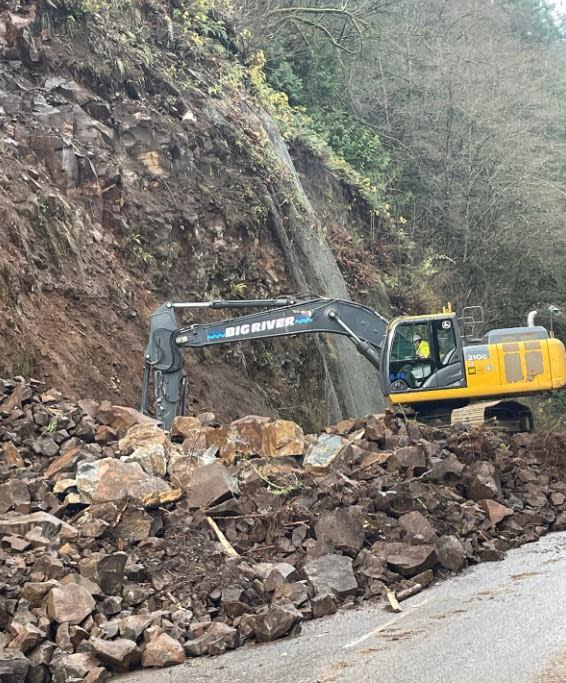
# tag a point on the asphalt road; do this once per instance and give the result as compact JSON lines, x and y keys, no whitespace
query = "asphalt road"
{"x":501,"y":622}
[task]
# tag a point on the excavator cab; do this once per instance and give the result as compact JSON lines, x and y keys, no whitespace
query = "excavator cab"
{"x":423,"y":354}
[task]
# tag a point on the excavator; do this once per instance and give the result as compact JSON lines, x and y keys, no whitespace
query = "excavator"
{"x":427,"y":367}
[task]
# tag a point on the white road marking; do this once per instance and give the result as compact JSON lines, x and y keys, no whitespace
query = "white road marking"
{"x":387,"y":624}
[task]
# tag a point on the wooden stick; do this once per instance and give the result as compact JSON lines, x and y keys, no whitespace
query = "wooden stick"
{"x":228,"y":549}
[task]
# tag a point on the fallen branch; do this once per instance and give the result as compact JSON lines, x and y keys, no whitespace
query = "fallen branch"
{"x":228,"y":549}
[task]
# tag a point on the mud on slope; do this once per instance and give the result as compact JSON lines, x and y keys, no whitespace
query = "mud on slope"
{"x":134,"y":170}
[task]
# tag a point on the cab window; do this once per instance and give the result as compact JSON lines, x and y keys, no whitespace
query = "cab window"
{"x":411,"y":342}
{"x":445,"y":340}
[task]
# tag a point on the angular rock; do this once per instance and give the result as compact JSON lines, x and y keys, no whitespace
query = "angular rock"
{"x":445,"y":468}
{"x":295,"y":593}
{"x":119,"y":655}
{"x":323,"y":604}
{"x":412,"y":559}
{"x":342,"y":529}
{"x":110,"y":571}
{"x":72,"y":667}
{"x":209,"y":485}
{"x":27,"y":637}
{"x":483,"y":483}
{"x":21,"y":524}
{"x":331,"y":573}
{"x":11,"y":455}
{"x":417,"y":527}
{"x":109,"y":479}
{"x":132,"y":627}
{"x":276,"y":574}
{"x":411,"y":457}
{"x":227,"y":634}
{"x":153,"y":459}
{"x":142,"y":436}
{"x":12,"y":494}
{"x":14,"y":666}
{"x":71,"y":603}
{"x":451,"y":553}
{"x":323,"y":452}
{"x":161,"y":651}
{"x":276,"y":622}
{"x":282,"y":438}
{"x":495,"y":511}
{"x":185,"y":426}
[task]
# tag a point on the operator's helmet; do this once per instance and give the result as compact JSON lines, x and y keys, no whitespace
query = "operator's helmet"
{"x":417,"y":338}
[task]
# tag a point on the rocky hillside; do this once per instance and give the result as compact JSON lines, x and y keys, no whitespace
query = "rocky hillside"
{"x":138,"y":166}
{"x":121,"y":547}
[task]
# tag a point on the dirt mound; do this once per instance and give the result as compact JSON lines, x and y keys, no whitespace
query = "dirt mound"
{"x":122,"y":546}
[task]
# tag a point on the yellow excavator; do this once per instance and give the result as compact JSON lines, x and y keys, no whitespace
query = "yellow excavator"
{"x":430,"y":365}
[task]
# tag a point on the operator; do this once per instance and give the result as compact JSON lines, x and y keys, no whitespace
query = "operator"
{"x":422,"y":347}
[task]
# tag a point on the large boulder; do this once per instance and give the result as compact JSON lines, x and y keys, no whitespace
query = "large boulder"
{"x":341,"y":529}
{"x":109,"y":480}
{"x":282,"y":438}
{"x":331,"y":573}
{"x":210,"y":484}
{"x":71,"y":603}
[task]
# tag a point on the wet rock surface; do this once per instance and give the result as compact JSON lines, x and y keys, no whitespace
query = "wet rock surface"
{"x":129,"y":571}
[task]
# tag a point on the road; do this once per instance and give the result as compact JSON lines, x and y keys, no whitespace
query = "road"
{"x":501,"y":622}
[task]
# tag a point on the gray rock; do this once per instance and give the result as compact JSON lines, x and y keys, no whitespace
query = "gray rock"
{"x":332,"y":573}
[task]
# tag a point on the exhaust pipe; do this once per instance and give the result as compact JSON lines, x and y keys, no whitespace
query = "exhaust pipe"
{"x":531,"y":318}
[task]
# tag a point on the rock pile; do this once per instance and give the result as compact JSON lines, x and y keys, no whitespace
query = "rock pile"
{"x":121,"y":547}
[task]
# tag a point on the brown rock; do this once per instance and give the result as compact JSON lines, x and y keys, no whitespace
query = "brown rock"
{"x":342,"y":529}
{"x":495,"y":511}
{"x":185,"y":426}
{"x":27,"y":636}
{"x":14,"y":666}
{"x":21,"y":524}
{"x":110,"y":571}
{"x":210,"y":484}
{"x":153,"y":459}
{"x":65,"y":461}
{"x":228,"y":635}
{"x":11,"y":455}
{"x":375,"y":428}
{"x":417,"y":527}
{"x":163,"y":650}
{"x":119,"y":655}
{"x":35,"y":592}
{"x":133,"y":626}
{"x":276,"y":574}
{"x":282,"y":438}
{"x":445,"y":468}
{"x":451,"y":553}
{"x":71,"y":603}
{"x":12,"y":494}
{"x":112,"y":480}
{"x":123,"y":417}
{"x":412,"y":559}
{"x":323,"y":604}
{"x":295,"y":593}
{"x":15,"y":399}
{"x":277,"y":621}
{"x":96,"y":675}
{"x":89,"y":407}
{"x":331,"y":573}
{"x":411,"y":457}
{"x":142,"y":436}
{"x":483,"y":483}
{"x":72,"y":667}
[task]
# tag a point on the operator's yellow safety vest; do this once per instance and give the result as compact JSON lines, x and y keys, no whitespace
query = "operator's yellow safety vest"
{"x":423,"y":349}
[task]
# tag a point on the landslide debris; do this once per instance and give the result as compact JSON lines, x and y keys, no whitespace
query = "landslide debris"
{"x":121,"y":547}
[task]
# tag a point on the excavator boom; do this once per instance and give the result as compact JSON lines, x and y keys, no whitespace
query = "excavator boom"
{"x":283,"y":317}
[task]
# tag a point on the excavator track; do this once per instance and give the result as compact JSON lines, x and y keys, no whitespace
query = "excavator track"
{"x":510,"y":416}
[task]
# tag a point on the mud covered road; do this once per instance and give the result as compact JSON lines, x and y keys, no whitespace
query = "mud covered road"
{"x":503,"y":622}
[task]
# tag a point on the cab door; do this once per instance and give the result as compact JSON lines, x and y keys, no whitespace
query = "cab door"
{"x":423,"y":355}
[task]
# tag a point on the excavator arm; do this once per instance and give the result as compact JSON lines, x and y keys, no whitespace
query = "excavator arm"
{"x":284,"y":316}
